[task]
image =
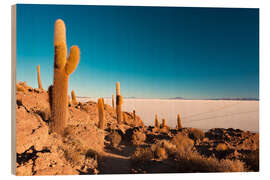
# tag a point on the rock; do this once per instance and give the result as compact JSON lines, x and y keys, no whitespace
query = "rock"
{"x":25,"y":170}
{"x":30,"y":131}
{"x":51,"y":164}
{"x":88,"y":134}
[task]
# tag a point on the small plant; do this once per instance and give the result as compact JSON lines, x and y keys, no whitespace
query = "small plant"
{"x":39,"y":79}
{"x":141,"y":155}
{"x":73,"y":97}
{"x":183,"y":143}
{"x":161,"y":153}
{"x":252,"y":160}
{"x":194,"y":162}
{"x":169,"y":148}
{"x":196,"y":134}
{"x":179,"y":122}
{"x":62,"y":69}
{"x":114,"y":138}
{"x":156,"y":122}
{"x":138,"y":137}
{"x":221,"y":147}
{"x":101,"y":113}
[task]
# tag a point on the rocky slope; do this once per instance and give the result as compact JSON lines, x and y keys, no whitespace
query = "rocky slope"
{"x":86,"y":149}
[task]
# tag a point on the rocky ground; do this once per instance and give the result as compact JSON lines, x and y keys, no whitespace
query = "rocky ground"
{"x":119,"y":149}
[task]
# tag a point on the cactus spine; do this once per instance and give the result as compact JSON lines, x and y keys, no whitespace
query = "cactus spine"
{"x":39,"y":79}
{"x":119,"y":102}
{"x":179,"y":122}
{"x":101,"y":113}
{"x":62,"y":69}
{"x":163,"y":125}
{"x":156,"y":121}
{"x":112,"y":101}
{"x":73,"y":96}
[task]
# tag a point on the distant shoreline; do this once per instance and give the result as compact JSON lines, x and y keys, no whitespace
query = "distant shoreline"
{"x":226,"y":99}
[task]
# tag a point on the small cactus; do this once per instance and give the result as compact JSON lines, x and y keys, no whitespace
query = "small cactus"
{"x":112,"y":101}
{"x":163,"y":125}
{"x":179,"y":122}
{"x":124,"y":118}
{"x":39,"y":79}
{"x":101,"y":113}
{"x":134,"y":116}
{"x":119,"y":102}
{"x":63,"y":67}
{"x":103,"y":102}
{"x":73,"y":96}
{"x":156,"y":122}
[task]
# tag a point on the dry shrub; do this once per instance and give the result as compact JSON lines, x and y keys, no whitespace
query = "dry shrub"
{"x":183,"y":143}
{"x":74,"y":150}
{"x":194,"y":162}
{"x":252,"y":160}
{"x":114,"y":138}
{"x":142,"y":155}
{"x":221,"y":147}
{"x":168,"y":147}
{"x":196,"y":134}
{"x":138,"y":138}
{"x":161,"y":153}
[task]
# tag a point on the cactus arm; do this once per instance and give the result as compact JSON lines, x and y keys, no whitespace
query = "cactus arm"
{"x":73,"y":60}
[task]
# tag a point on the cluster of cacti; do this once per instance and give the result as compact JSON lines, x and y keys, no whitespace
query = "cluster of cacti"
{"x":62,"y":69}
{"x":101,"y":113}
{"x":119,"y":102}
{"x":179,"y":122}
{"x":73,"y":97}
{"x":39,"y":79}
{"x":112,"y":101}
{"x":156,"y":122}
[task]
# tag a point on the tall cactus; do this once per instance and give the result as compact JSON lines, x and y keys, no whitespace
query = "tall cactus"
{"x":39,"y":79}
{"x":179,"y":122}
{"x":156,"y":122}
{"x":112,"y":101}
{"x":73,"y":97}
{"x":163,"y":125}
{"x":119,"y":102}
{"x":101,"y":113}
{"x":62,"y":69}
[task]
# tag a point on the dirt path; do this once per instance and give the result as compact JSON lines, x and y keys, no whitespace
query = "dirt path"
{"x":116,"y":162}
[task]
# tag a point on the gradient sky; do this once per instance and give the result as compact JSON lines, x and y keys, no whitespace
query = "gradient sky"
{"x":155,"y":52}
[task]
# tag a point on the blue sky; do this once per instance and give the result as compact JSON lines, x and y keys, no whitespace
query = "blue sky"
{"x":155,"y":52}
